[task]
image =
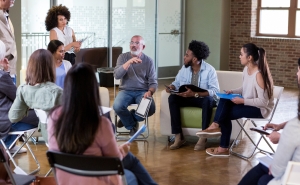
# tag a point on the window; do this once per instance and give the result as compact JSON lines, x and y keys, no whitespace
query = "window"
{"x":278,"y":18}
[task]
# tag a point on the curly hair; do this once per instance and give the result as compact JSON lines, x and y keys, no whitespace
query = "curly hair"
{"x":51,"y":19}
{"x":199,"y":49}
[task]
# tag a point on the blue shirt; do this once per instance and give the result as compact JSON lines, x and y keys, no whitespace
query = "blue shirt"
{"x":207,"y":78}
{"x":60,"y":75}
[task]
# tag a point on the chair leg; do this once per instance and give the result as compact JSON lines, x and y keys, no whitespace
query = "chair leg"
{"x":48,"y":173}
{"x":255,"y":144}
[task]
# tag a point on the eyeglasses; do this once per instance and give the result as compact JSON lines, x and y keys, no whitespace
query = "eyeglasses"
{"x":134,"y":43}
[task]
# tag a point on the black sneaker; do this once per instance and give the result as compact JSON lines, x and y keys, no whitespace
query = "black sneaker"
{"x":120,"y":124}
{"x":134,"y":129}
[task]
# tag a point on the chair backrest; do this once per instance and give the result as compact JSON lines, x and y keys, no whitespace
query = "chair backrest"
{"x":291,"y":174}
{"x":84,"y":165}
{"x":277,"y":91}
{"x":42,"y":115}
{"x":3,"y":160}
{"x":104,"y":96}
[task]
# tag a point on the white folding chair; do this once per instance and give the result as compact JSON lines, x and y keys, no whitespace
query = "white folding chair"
{"x":120,"y":133}
{"x":277,"y":91}
{"x":43,"y":118}
{"x":291,"y":174}
{"x":26,"y":135}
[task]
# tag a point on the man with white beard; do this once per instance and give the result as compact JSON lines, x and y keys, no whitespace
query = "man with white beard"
{"x":137,"y":76}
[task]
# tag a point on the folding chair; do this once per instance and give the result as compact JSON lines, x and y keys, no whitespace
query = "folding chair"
{"x":26,"y":135}
{"x":277,"y":91}
{"x":119,"y":132}
{"x":43,"y":118}
{"x":84,"y":165}
{"x":15,"y":179}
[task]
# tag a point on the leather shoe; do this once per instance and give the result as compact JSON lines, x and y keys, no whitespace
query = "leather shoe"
{"x":200,"y":146}
{"x":134,"y":129}
{"x":120,"y":124}
{"x":177,"y":145}
{"x":209,"y":133}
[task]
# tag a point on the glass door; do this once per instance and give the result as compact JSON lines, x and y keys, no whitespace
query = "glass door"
{"x":170,"y":37}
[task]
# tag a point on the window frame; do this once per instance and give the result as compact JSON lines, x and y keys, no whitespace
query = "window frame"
{"x":291,"y":19}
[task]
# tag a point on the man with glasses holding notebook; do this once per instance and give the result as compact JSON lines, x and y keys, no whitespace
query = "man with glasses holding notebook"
{"x":137,"y":76}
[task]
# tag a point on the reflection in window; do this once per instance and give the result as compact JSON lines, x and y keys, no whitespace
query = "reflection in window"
{"x":275,"y":3}
{"x":298,"y":23}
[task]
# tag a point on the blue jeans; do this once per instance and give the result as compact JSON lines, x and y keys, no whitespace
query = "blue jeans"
{"x":175,"y":102}
{"x":227,"y":111}
{"x":132,"y":164}
{"x":20,"y":126}
{"x":14,"y":79}
{"x":123,"y":100}
{"x":257,"y":175}
{"x":130,"y":177}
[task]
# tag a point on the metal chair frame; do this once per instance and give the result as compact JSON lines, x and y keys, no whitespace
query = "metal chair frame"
{"x":277,"y":91}
{"x":119,"y":134}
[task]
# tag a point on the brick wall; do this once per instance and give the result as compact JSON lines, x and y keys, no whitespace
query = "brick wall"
{"x":282,"y":54}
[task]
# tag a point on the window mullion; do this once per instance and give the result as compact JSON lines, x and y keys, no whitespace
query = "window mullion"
{"x":292,"y":18}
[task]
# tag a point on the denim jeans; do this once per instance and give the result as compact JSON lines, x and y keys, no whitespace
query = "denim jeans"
{"x":123,"y":100}
{"x":227,"y":111}
{"x":132,"y":164}
{"x":257,"y":175}
{"x":130,"y":177}
{"x":20,"y":126}
{"x":175,"y":102}
{"x":14,"y":79}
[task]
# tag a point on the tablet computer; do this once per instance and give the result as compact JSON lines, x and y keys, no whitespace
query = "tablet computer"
{"x":261,"y":130}
{"x":143,"y":107}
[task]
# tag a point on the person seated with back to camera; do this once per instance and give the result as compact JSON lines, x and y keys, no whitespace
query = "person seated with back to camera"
{"x":288,"y":150}
{"x":40,"y":91}
{"x":137,"y":80}
{"x":7,"y":96}
{"x":79,"y":118}
{"x":257,"y":101}
{"x":57,"y":49}
{"x":201,"y":74}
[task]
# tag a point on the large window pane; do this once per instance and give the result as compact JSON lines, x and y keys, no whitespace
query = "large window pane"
{"x":298,"y":23}
{"x":275,"y":3}
{"x":298,"y":3}
{"x":273,"y":22}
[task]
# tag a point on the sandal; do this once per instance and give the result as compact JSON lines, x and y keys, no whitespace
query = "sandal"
{"x":215,"y":152}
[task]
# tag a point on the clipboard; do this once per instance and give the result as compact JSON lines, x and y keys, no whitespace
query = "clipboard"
{"x":143,"y":107}
{"x":228,"y":96}
{"x":139,"y":132}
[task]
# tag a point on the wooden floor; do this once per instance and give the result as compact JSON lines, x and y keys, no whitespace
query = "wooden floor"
{"x":182,"y":166}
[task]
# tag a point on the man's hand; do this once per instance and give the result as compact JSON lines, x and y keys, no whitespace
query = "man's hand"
{"x":274,"y":137}
{"x":186,"y":94}
{"x":124,"y":149}
{"x":147,"y":94}
{"x":170,"y":87}
{"x":238,"y":100}
{"x":4,"y":64}
{"x":133,"y":60}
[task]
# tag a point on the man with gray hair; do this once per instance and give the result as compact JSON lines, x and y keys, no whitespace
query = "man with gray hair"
{"x":137,"y":76}
{"x":7,"y":36}
{"x":7,"y":96}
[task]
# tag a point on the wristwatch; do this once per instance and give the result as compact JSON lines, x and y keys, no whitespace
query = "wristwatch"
{"x":196,"y":95}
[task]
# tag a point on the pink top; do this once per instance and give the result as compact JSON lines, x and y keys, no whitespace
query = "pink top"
{"x":103,"y":145}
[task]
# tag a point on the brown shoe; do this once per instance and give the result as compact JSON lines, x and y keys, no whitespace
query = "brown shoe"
{"x":216,"y":153}
{"x":179,"y":141}
{"x":209,"y":133}
{"x":200,"y":144}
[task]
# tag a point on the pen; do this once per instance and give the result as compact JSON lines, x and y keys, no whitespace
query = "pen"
{"x":225,"y":91}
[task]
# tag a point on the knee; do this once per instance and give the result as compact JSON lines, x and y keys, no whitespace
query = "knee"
{"x":130,"y":177}
{"x":208,"y":100}
{"x":118,"y":107}
{"x":172,"y":99}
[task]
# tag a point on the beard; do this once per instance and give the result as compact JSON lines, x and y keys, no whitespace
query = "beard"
{"x":188,"y":64}
{"x":136,"y":53}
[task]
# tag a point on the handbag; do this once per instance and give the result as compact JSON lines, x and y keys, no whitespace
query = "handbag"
{"x":44,"y":181}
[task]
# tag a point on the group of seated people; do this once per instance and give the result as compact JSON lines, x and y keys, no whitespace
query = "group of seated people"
{"x":75,"y":99}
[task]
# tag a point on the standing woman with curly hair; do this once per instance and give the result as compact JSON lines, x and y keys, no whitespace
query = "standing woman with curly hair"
{"x":57,"y":23}
{"x":257,"y":101}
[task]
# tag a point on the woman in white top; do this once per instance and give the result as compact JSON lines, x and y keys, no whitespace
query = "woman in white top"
{"x":57,"y":49}
{"x":57,"y":23}
{"x":257,"y":101}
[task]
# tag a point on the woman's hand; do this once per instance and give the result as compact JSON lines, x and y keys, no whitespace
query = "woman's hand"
{"x":124,"y":149}
{"x":228,"y":91}
{"x":238,"y":100}
{"x":76,"y":44}
{"x":274,"y":137}
{"x":170,"y":87}
{"x":4,"y":64}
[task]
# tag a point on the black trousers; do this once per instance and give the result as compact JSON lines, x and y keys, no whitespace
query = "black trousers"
{"x":70,"y":57}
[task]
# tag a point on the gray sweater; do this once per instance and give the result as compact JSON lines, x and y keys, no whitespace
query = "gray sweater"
{"x":7,"y":96}
{"x":138,"y":77}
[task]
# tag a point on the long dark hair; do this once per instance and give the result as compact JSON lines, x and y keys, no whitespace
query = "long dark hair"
{"x":259,"y":58}
{"x":79,"y":118}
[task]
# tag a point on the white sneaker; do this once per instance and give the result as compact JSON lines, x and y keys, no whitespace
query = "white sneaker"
{"x":15,"y":148}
